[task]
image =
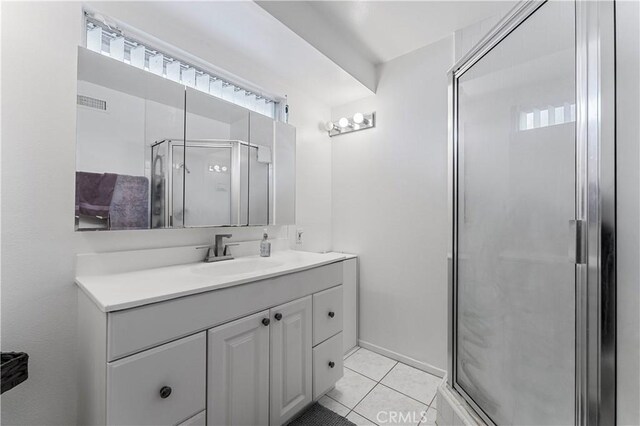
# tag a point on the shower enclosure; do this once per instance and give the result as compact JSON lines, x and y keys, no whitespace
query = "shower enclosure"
{"x":208,"y":182}
{"x":532,"y":262}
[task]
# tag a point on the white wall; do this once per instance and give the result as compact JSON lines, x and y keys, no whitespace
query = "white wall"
{"x":38,"y":242}
{"x":313,"y":174}
{"x":628,"y":181}
{"x":466,"y":38}
{"x":390,"y":205}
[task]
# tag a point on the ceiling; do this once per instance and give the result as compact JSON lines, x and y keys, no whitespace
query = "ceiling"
{"x":360,"y":35}
{"x":328,"y":50}
{"x":385,"y":30}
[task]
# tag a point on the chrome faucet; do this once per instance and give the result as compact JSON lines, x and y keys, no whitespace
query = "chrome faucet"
{"x":219,"y":251}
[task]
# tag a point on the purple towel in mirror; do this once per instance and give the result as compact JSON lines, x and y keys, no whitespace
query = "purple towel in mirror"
{"x":94,"y":192}
{"x":130,"y":203}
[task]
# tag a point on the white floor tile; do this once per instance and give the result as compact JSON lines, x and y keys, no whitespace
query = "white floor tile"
{"x":351,"y":388}
{"x":388,"y":407}
{"x":358,"y":420}
{"x":334,"y":406}
{"x":413,"y":382}
{"x":370,"y":364}
{"x":430,"y":418}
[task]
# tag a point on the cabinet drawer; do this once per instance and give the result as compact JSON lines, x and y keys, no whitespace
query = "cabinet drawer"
{"x":327,"y":365}
{"x":161,"y":386}
{"x":327,"y":314}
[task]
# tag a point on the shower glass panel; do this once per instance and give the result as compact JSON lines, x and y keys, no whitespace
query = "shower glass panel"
{"x":515,"y":316}
{"x":176,"y":196}
{"x":208,"y":189}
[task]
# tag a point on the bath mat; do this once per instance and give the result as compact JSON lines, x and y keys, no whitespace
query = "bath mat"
{"x":317,"y":415}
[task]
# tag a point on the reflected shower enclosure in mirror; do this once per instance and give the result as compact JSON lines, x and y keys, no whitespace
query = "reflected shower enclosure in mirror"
{"x":153,"y":153}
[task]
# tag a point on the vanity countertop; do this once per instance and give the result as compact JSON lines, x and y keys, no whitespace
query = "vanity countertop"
{"x":113,"y":292}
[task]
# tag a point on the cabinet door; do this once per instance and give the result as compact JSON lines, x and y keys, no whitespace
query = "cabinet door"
{"x":238,"y":372}
{"x":290,"y":359}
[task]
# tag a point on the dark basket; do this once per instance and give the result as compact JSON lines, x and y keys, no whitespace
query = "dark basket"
{"x":14,"y":369}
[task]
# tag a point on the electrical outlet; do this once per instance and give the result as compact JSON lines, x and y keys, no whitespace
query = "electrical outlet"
{"x":299,"y":233}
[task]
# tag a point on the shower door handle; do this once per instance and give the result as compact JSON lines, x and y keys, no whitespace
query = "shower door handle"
{"x":578,"y":242}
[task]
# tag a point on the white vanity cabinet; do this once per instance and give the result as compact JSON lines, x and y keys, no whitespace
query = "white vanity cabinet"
{"x":291,"y":359}
{"x":254,"y":353}
{"x":238,"y":372}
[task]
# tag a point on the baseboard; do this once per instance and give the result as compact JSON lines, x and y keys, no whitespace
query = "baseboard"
{"x":403,"y":359}
{"x":350,"y":352}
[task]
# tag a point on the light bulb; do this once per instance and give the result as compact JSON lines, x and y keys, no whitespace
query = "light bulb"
{"x":358,"y":118}
{"x":343,"y":122}
{"x":329,"y":126}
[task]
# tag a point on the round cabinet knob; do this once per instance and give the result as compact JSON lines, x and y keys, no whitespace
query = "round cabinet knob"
{"x":332,"y":314}
{"x":266,"y":321}
{"x":332,"y":364}
{"x":278,"y":316}
{"x":165,"y":391}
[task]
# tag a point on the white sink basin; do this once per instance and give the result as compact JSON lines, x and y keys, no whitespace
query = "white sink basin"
{"x":243,"y":265}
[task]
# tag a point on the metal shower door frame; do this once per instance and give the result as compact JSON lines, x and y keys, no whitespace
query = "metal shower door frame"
{"x":235,"y":176}
{"x":595,"y":278}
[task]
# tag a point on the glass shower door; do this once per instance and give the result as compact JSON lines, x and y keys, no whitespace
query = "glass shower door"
{"x":208,"y":188}
{"x":515,"y":313}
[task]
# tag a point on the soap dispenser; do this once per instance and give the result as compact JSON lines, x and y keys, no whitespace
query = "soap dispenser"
{"x":265,"y":246}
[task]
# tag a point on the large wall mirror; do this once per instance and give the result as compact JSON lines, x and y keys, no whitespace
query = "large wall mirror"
{"x":153,"y":153}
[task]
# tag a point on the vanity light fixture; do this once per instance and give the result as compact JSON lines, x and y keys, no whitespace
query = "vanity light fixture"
{"x":359,"y":121}
{"x":217,"y":168}
{"x":329,"y":126}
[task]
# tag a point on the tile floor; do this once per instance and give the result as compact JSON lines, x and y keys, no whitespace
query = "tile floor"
{"x":376,"y":390}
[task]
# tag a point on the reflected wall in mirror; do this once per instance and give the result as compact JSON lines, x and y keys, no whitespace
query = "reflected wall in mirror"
{"x":121,"y":111}
{"x":152,"y":153}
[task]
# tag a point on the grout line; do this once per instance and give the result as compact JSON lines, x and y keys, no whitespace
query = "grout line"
{"x":371,"y":378}
{"x":371,"y":390}
{"x":335,"y":400}
{"x":362,"y":399}
{"x":379,"y":382}
{"x":428,"y":404}
{"x":408,"y":396}
{"x":366,"y":418}
{"x":433,"y":399}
